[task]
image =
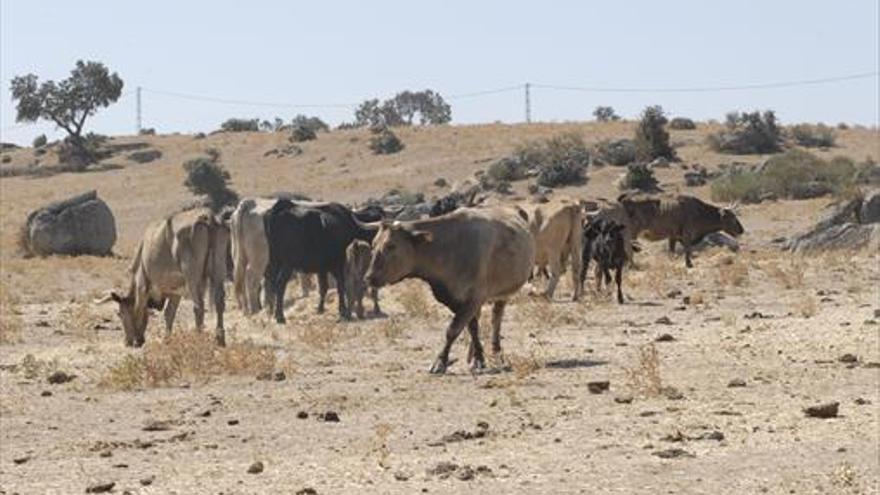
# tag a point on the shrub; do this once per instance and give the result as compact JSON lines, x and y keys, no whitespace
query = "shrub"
{"x":145,"y":156}
{"x":40,"y":141}
{"x":618,"y":152}
{"x":810,"y":136}
{"x":428,"y":105}
{"x":147,"y":131}
{"x":509,"y":168}
{"x":682,"y":124}
{"x":302,"y":132}
{"x":748,"y":133}
{"x":639,"y":176}
{"x":240,"y":125}
{"x":605,"y":114}
{"x":75,"y":154}
{"x":652,"y":140}
{"x":385,"y":142}
{"x":314,"y":123}
{"x":560,"y":160}
{"x":738,"y":185}
{"x":205,"y":176}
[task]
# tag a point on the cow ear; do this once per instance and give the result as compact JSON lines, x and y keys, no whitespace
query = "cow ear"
{"x":422,"y":236}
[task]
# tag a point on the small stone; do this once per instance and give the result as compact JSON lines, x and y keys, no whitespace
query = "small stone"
{"x":157,"y":425}
{"x":665,"y":337}
{"x":59,"y":377}
{"x":675,"y":453}
{"x":100,"y":487}
{"x":402,"y":475}
{"x":673,"y":294}
{"x":623,"y":399}
{"x":232,"y":422}
{"x":672,"y":393}
{"x":46,"y":393}
{"x":824,"y":411}
{"x":302,"y":415}
{"x":21,"y":460}
{"x":848,"y":358}
{"x":465,"y":473}
{"x":861,"y":401}
{"x":106,"y":453}
{"x":256,"y":468}
{"x":736,"y":382}
{"x":307,"y":491}
{"x":147,"y":481}
{"x":598,"y":387}
{"x":663,"y":320}
{"x":279,"y":376}
{"x":329,"y":417}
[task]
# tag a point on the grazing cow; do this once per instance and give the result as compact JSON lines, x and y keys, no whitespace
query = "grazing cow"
{"x":469,"y":257}
{"x":557,"y":230}
{"x":604,"y":242}
{"x":181,"y":255}
{"x":357,"y":259}
{"x":310,"y":239}
{"x":681,"y":218}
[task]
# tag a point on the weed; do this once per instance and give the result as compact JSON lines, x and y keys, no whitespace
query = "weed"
{"x":644,"y":378}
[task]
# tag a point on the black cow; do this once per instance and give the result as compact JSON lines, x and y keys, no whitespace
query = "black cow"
{"x":604,"y":242}
{"x":310,"y":239}
{"x":371,"y":213}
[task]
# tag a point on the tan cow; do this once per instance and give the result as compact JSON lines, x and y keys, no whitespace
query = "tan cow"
{"x":469,"y":257}
{"x":357,"y":261}
{"x":181,"y":255}
{"x":250,"y":251}
{"x":557,"y":229}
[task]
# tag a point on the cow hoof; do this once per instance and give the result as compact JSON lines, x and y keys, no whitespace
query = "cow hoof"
{"x":438,"y":368}
{"x":478,"y":364}
{"x":221,"y":340}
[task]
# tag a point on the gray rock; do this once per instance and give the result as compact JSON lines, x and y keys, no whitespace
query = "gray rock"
{"x":82,"y":224}
{"x":810,"y":190}
{"x":870,"y":210}
{"x":694,"y":179}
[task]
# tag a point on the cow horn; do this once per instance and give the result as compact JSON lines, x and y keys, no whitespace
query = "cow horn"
{"x":107,"y":298}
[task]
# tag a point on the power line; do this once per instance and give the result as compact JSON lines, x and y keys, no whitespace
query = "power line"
{"x":707,"y":89}
{"x":226,"y":101}
{"x":486,"y":92}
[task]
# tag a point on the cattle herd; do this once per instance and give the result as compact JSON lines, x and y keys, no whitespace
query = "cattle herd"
{"x":469,"y":256}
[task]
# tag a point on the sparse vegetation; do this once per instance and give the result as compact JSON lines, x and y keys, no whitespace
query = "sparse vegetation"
{"x":682,"y":124}
{"x":147,"y":131}
{"x":813,"y":136}
{"x":605,"y":114}
{"x":748,"y":133}
{"x":558,"y":161}
{"x":639,"y":176}
{"x":652,"y":139}
{"x":10,"y":320}
{"x":644,"y":378}
{"x":301,"y":132}
{"x":385,"y":142}
{"x":402,"y":109}
{"x":240,"y":125}
{"x":206,"y":176}
{"x":39,"y":141}
{"x":315,"y":124}
{"x":618,"y":152}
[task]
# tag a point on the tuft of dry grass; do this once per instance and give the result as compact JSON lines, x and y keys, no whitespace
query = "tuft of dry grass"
{"x":524,"y":365}
{"x":391,"y":328}
{"x":806,"y":306}
{"x":321,"y":333}
{"x":644,"y":378}
{"x":10,"y":318}
{"x":844,"y":474}
{"x":415,"y":302}
{"x":790,"y":275}
{"x":733,"y":272}
{"x":381,"y":449}
{"x":187,"y":356}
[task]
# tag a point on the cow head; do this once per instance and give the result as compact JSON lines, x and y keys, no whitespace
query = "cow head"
{"x":394,"y":253}
{"x":729,"y":222}
{"x":134,"y":323}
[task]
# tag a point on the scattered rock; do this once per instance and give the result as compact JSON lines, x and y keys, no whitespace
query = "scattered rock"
{"x":307,"y":491}
{"x":329,"y":417}
{"x":673,"y":294}
{"x":860,"y":401}
{"x":481,"y":431}
{"x":21,"y":460}
{"x":623,"y":399}
{"x":302,"y":415}
{"x":443,"y":469}
{"x":46,"y":393}
{"x":157,"y":425}
{"x":60,"y":377}
{"x":598,"y":387}
{"x":440,"y":182}
{"x":711,"y":435}
{"x":828,"y":410}
{"x":106,"y":453}
{"x":675,"y":453}
{"x":672,"y":393}
{"x":274,"y":376}
{"x":465,"y":473}
{"x":736,"y":382}
{"x":665,"y":337}
{"x":663,"y":320}
{"x":147,"y":481}
{"x":256,"y":468}
{"x":100,"y":487}
{"x":848,"y":358}
{"x":403,"y":475}
{"x":232,"y":422}
{"x":674,"y":437}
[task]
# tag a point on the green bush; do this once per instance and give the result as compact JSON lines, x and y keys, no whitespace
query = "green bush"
{"x":147,"y":131}
{"x":652,"y":139}
{"x":240,"y":125}
{"x":639,"y":176}
{"x":739,"y":185}
{"x":561,"y":160}
{"x":302,"y":132}
{"x":205,"y":176}
{"x":40,"y":141}
{"x":315,"y":124}
{"x":617,"y":152}
{"x":682,"y":124}
{"x":813,"y":136}
{"x":748,"y":133}
{"x":385,"y":142}
{"x":509,"y":169}
{"x":605,"y":114}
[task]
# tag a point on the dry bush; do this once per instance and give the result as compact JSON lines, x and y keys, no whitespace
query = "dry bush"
{"x":729,"y":319}
{"x":391,"y":328}
{"x":382,"y":450}
{"x":322,"y":334}
{"x":790,"y":275}
{"x":187,"y":356}
{"x":10,"y":319}
{"x":415,"y":302}
{"x":524,"y":365}
{"x":644,"y":378}
{"x":32,"y":367}
{"x":733,"y":272}
{"x":806,"y":307}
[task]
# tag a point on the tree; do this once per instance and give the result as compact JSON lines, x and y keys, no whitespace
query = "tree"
{"x":205,"y":176}
{"x":67,"y":103}
{"x":652,"y":139}
{"x":605,"y":114}
{"x":403,"y":108}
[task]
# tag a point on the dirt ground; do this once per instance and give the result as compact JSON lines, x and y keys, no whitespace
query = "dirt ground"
{"x":709,"y":369}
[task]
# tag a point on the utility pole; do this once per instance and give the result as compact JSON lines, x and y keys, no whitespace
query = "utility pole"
{"x":528,"y":105}
{"x":139,"y":122}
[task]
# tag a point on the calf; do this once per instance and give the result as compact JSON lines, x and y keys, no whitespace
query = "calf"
{"x":604,"y":242}
{"x":357,"y":260}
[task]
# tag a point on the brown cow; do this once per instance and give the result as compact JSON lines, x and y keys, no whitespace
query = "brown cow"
{"x":469,"y":257}
{"x":680,"y":218}
{"x":557,"y":229}
{"x":180,"y":255}
{"x":357,"y":261}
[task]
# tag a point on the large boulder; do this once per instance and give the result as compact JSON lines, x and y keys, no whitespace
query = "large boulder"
{"x":82,"y":224}
{"x":870,"y":208}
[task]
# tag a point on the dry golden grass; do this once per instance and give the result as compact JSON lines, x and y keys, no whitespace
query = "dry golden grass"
{"x":733,"y":271}
{"x":644,"y":378}
{"x":415,"y":300}
{"x":806,"y":306}
{"x":381,"y":448}
{"x":10,"y":318}
{"x":524,"y":365}
{"x":392,"y":328}
{"x":184,"y":357}
{"x":789,"y":273}
{"x":322,"y":333}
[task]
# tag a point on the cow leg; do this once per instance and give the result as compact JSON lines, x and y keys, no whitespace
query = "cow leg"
{"x":322,"y":291}
{"x":252,"y":291}
{"x":240,"y":285}
{"x":339,"y":275}
{"x":672,"y":245}
{"x":607,"y":273}
{"x":170,"y":312}
{"x":585,"y":265}
{"x":461,"y":318}
{"x":198,"y":297}
{"x":555,"y":270}
{"x":598,"y":275}
{"x":268,"y":294}
{"x":374,"y":295}
{"x":687,"y":253}
{"x":618,"y":278}
{"x":476,"y":357}
{"x":497,"y":315}
{"x":279,"y":286}
{"x":305,"y":284}
{"x":219,"y":297}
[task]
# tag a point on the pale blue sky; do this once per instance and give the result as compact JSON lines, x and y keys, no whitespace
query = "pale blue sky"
{"x":328,"y":52}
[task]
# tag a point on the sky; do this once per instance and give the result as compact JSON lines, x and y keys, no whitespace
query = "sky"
{"x":338,"y":53}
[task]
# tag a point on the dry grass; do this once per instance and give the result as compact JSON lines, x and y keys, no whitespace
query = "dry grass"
{"x":644,"y":378}
{"x":184,"y":357}
{"x":322,"y":333}
{"x":524,"y":365}
{"x":790,"y":274}
{"x":733,"y":272}
{"x":806,"y":306}
{"x":391,"y":328}
{"x":415,"y":302}
{"x":381,"y":449}
{"x":10,"y":318}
